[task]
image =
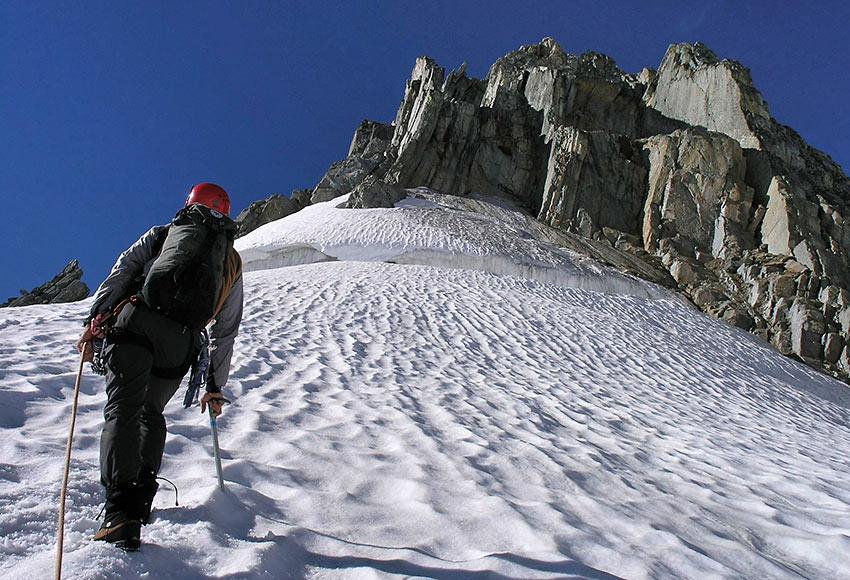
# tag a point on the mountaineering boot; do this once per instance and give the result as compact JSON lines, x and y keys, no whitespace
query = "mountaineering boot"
{"x":118,"y":529}
{"x":121,"y":523}
{"x":147,"y":490}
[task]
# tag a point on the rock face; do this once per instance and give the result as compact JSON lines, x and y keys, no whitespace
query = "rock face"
{"x":682,"y":169}
{"x":446,"y":140}
{"x":697,"y":194}
{"x":372,"y":193}
{"x":367,"y":151}
{"x":803,"y":197}
{"x":270,"y":209}
{"x":594,"y":180}
{"x":694,"y":86}
{"x":66,"y":286}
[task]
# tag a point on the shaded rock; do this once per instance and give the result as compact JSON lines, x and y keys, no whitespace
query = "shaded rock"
{"x":67,"y":286}
{"x":737,"y":316}
{"x":301,"y":197}
{"x":843,"y":318}
{"x":368,"y":149}
{"x":588,"y":92}
{"x":459,"y":87}
{"x":782,"y":286}
{"x":834,"y":296}
{"x":343,"y":177}
{"x":782,"y":341}
{"x":833,"y":346}
{"x":780,"y":312}
{"x":794,"y":267}
{"x":372,"y":193}
{"x":371,"y":140}
{"x":683,"y":272}
{"x":268,"y":210}
{"x":459,"y":147}
{"x":704,"y":296}
{"x":594,"y":180}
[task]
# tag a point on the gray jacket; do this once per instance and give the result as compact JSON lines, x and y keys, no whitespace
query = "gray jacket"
{"x":135,"y":263}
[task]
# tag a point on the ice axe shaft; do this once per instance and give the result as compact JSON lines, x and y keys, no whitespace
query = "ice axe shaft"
{"x":61,"y":539}
{"x":214,"y":430}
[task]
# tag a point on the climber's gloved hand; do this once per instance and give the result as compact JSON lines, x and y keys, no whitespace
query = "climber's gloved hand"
{"x":216,"y":401}
{"x":95,"y":330}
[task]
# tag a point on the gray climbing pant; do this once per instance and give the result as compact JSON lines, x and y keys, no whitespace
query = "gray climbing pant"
{"x":147,"y":354}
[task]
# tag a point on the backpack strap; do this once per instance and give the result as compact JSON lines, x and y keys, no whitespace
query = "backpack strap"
{"x":232,"y":271}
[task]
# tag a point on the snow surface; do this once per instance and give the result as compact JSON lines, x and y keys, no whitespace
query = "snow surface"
{"x":428,"y":391}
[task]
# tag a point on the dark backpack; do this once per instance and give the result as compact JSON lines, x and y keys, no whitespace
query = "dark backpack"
{"x":185,"y":280}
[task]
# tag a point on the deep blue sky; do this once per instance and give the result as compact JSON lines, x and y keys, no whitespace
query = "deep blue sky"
{"x":110,"y":111}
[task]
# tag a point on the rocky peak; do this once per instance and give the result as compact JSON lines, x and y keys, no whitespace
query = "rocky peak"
{"x":568,"y":89}
{"x":424,"y":88}
{"x":600,"y":67}
{"x":371,"y":139}
{"x":545,"y":54}
{"x":694,"y":86}
{"x":459,"y":87}
{"x":66,"y":286}
{"x":691,"y":56}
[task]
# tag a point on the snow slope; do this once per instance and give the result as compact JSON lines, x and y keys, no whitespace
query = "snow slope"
{"x":431,"y":392}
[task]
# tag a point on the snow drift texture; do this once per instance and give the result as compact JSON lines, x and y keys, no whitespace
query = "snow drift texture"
{"x":444,"y":397}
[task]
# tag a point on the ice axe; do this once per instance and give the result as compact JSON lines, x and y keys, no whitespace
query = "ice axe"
{"x":214,"y":430}
{"x":197,"y":379}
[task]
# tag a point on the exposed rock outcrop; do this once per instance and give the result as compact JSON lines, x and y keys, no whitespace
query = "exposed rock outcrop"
{"x":797,"y":214}
{"x":67,"y":286}
{"x":372,"y":193}
{"x":682,"y":168}
{"x":697,"y":194}
{"x":802,"y":196}
{"x":368,"y":149}
{"x":594,"y":180}
{"x":371,"y":140}
{"x":447,"y":139}
{"x":694,"y":86}
{"x":270,"y":209}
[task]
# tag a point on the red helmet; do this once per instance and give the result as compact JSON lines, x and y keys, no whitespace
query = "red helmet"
{"x":210,"y":195}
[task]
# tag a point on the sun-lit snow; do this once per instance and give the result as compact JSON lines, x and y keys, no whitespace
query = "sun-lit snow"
{"x":437,"y":230}
{"x":429,"y":391}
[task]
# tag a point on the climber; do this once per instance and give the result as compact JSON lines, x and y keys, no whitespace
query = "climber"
{"x":161,"y":293}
